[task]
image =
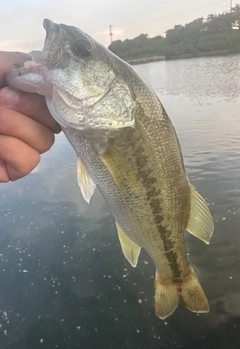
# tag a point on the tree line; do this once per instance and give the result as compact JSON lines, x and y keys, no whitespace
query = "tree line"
{"x":214,"y":33}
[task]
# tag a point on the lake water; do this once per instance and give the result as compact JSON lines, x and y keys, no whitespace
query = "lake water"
{"x":64,"y":282}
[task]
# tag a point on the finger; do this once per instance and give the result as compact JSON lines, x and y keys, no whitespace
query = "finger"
{"x":20,"y":158}
{"x":11,"y":60}
{"x":4,"y":177}
{"x":30,"y":104}
{"x":30,"y":131}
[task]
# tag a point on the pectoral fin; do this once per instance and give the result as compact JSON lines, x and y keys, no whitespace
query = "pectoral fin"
{"x":85,"y":180}
{"x":120,"y":169}
{"x":200,"y":222}
{"x":130,"y":249}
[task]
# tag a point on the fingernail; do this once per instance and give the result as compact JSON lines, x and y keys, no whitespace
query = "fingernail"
{"x":8,"y":97}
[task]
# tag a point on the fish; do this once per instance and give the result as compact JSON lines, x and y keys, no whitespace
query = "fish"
{"x":127,"y":147}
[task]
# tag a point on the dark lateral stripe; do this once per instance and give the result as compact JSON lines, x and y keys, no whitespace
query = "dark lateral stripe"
{"x":153,"y":194}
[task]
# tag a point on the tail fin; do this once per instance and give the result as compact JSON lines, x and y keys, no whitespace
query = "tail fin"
{"x":167,"y":295}
{"x":193,"y":294}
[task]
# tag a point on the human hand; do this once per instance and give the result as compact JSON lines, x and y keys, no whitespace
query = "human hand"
{"x":26,"y":126}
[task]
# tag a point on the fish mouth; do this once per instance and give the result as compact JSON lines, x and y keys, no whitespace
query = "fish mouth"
{"x":57,"y":35}
{"x":58,"y":32}
{"x":47,"y":24}
{"x":52,"y":27}
{"x":52,"y":30}
{"x":52,"y":50}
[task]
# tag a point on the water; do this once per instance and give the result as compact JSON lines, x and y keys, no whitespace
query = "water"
{"x":64,"y":281}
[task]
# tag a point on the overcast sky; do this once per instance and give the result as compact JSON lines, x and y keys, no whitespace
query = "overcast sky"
{"x":21,"y":20}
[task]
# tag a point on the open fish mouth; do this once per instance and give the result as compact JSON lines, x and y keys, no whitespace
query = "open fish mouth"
{"x":52,"y":49}
{"x":48,"y":24}
{"x":53,"y":31}
{"x":41,"y":61}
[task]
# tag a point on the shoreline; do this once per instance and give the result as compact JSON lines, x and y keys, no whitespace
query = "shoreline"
{"x":182,"y":56}
{"x":146,"y":60}
{"x":203,"y":54}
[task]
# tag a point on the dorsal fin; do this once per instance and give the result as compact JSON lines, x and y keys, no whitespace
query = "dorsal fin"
{"x":130,"y":249}
{"x":200,"y":222}
{"x":85,"y":180}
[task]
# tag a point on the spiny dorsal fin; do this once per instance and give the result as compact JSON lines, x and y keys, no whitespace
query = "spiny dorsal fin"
{"x":85,"y":180}
{"x":200,"y":222}
{"x":130,"y":249}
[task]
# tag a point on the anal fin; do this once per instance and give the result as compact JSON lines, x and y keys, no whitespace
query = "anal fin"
{"x":85,"y":181}
{"x":130,"y":249}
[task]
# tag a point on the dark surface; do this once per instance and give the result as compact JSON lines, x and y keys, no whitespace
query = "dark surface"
{"x":64,"y":282}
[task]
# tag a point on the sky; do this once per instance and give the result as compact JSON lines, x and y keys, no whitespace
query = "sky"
{"x":21,"y":20}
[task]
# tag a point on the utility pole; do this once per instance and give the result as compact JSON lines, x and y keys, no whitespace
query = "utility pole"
{"x":230,"y":5}
{"x":111,"y":34}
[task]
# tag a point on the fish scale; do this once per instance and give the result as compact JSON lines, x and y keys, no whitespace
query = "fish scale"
{"x":127,"y":147}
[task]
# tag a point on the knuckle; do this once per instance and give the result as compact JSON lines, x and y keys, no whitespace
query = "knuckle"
{"x":57,"y":129}
{"x":48,"y":142}
{"x":3,"y":117}
{"x":33,"y":161}
{"x":23,"y":168}
{"x":9,"y":123}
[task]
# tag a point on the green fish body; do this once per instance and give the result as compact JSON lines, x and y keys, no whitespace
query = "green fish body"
{"x":127,"y":147}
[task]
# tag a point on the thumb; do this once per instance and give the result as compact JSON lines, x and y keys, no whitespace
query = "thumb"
{"x":11,"y":60}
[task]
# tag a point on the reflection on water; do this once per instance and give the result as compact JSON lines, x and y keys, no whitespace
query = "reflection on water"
{"x":200,"y":78}
{"x":64,"y":281}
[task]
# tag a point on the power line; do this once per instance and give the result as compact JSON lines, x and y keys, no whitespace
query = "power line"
{"x":171,"y":15}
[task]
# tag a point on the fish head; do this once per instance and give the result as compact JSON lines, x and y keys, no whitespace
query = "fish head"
{"x":80,"y":79}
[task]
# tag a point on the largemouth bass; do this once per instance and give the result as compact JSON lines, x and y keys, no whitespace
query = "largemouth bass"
{"x":127,"y":147}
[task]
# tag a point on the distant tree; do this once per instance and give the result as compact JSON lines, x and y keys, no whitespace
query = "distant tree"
{"x":235,"y":11}
{"x":216,"y":32}
{"x":175,"y":35}
{"x":195,"y":28}
{"x":221,"y":22}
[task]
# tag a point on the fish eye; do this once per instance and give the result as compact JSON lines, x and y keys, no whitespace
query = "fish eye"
{"x":82,"y":48}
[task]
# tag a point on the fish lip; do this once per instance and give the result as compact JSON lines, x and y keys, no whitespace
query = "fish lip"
{"x":50,"y":26}
{"x":56,"y":29}
{"x":59,"y":30}
{"x":52,"y":49}
{"x":51,"y":30}
{"x":47,"y":23}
